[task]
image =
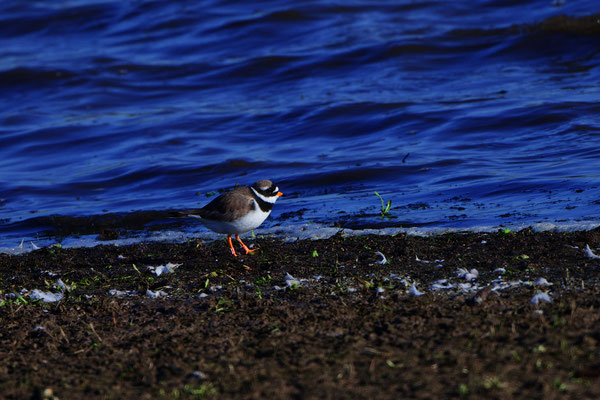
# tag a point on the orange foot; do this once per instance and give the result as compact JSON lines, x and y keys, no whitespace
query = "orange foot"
{"x":231,"y":246}
{"x":244,"y":246}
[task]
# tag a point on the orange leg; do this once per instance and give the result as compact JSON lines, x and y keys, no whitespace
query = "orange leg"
{"x":244,"y":246}
{"x":231,"y":246}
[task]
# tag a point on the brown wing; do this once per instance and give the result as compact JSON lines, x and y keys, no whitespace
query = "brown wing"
{"x":228,"y":206}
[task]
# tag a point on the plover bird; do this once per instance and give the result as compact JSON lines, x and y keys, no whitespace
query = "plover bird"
{"x":239,"y":210}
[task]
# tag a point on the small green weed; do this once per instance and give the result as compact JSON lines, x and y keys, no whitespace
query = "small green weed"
{"x":18,"y":300}
{"x":492,"y":383}
{"x":223,"y":305}
{"x":385,"y":207}
{"x":263,"y":280}
{"x":136,"y":269}
{"x":560,"y":386}
{"x":200,"y":392}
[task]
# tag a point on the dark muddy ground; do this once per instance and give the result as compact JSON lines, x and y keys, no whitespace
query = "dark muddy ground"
{"x":345,"y":328}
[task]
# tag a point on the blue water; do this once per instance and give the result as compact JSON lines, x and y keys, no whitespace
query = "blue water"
{"x":462,"y":113}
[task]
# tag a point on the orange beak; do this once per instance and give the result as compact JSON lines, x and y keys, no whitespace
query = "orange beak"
{"x":279,"y":194}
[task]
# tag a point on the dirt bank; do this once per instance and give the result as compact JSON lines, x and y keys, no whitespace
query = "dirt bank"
{"x":308,"y":319}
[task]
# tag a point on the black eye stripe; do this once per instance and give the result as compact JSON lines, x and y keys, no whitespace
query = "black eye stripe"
{"x":269,"y":190}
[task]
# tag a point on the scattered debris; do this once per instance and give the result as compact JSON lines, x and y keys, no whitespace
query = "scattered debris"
{"x":153,"y":295}
{"x":465,"y":287}
{"x":198,"y":375}
{"x":542,"y":282}
{"x":427,"y":262}
{"x":46,"y":297}
{"x":413,"y":291}
{"x":480,"y":296}
{"x":168,"y":268}
{"x":590,"y":253}
{"x":291,"y":282}
{"x":13,"y":296}
{"x":383,"y":259}
{"x":63,"y":286}
{"x":417,"y":259}
{"x":467,"y":275}
{"x":500,"y":284}
{"x":540,"y":297}
{"x":118,"y":293}
{"x":333,"y":299}
{"x":442,"y":284}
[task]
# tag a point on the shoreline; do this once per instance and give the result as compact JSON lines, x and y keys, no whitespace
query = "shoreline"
{"x":113,"y":235}
{"x":328,"y":318}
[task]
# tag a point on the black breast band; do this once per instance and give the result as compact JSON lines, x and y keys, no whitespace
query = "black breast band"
{"x":264,"y":205}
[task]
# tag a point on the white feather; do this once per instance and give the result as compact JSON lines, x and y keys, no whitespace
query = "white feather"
{"x":589,"y":252}
{"x":248,"y":222}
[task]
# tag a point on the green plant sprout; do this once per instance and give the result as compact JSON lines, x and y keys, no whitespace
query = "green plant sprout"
{"x":385,"y":208}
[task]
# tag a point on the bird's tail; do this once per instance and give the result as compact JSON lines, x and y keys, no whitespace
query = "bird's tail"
{"x":184,"y":213}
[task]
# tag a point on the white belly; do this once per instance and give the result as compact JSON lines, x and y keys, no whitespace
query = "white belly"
{"x":250,"y":221}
